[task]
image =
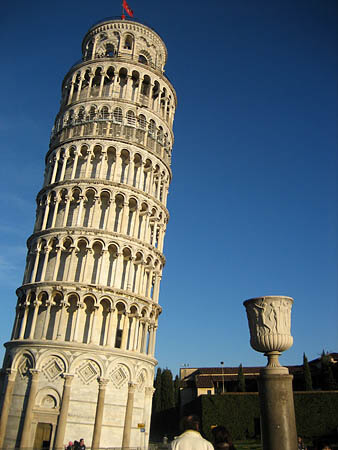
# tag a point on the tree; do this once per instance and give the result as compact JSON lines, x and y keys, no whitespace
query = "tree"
{"x":307,"y":374}
{"x":240,"y":379}
{"x":177,"y":391}
{"x":167,"y":390}
{"x":327,"y":379}
{"x":157,"y":393}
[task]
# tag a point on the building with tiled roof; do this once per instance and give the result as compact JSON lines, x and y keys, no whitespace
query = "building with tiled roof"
{"x":196,"y":381}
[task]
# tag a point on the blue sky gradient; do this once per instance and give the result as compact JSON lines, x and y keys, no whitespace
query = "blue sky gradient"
{"x":253,"y":200}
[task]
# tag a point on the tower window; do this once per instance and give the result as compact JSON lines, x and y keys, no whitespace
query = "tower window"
{"x":142,"y":59}
{"x":117,"y":115}
{"x":128,"y":43}
{"x":110,"y":50}
{"x":131,"y":118}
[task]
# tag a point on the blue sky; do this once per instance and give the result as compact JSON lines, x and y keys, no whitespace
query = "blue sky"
{"x":253,"y":200}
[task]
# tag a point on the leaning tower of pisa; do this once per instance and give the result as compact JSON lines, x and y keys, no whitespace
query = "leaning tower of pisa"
{"x":80,"y":361}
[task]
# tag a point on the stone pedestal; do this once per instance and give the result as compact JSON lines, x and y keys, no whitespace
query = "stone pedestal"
{"x":278,"y":421}
{"x":269,"y":320}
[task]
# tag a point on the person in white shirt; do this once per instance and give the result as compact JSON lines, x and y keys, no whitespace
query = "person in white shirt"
{"x":191,"y":438}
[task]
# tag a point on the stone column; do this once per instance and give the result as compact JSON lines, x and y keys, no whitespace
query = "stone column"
{"x":118,"y":271}
{"x":11,"y":375}
{"x":102,"y":164}
{"x":149,"y":283}
{"x":61,"y":428}
{"x":161,"y":238}
{"x":65,"y":217}
{"x":91,"y":77}
{"x":103,"y":75}
{"x":46,"y":321}
{"x":80,"y":306}
{"x":26,"y":431}
{"x":128,"y":417}
{"x":146,"y":236}
{"x":132,"y":333}
{"x":36,"y":304}
{"x":94,"y":216}
{"x":112,"y":327}
{"x":55,"y":212}
{"x":140,"y":335}
{"x":117,"y":167}
{"x":144,"y":337}
{"x":154,"y":341}
{"x":136,"y":333}
{"x":56,"y":163}
{"x":109,"y":225}
{"x":24,"y":321}
{"x":61,"y":328}
{"x":148,"y":395}
{"x":69,"y":276}
{"x":76,"y":158}
{"x":124,"y":220}
{"x":79,"y":215}
{"x":99,"y":414}
{"x":139,"y":284}
{"x":277,"y":412}
{"x":79,"y":89}
{"x":63,"y":169}
{"x":153,"y":237}
{"x":70,"y":96}
{"x":156,"y":290}
{"x":57,"y":262}
{"x":151,"y":337}
{"x":88,"y":163}
{"x":130,"y":273}
{"x":134,"y":230}
{"x":92,"y":338}
{"x":125,"y":331}
{"x":45,"y":262}
{"x":35,"y":268}
{"x":131,"y":172}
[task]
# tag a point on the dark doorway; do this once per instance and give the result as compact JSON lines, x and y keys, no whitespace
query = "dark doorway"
{"x":43,"y":436}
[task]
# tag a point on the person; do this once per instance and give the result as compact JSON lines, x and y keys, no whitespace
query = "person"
{"x":80,"y":445}
{"x":191,"y":438}
{"x":325,"y":446}
{"x":222,"y":438}
{"x":69,"y":446}
{"x":301,"y":445}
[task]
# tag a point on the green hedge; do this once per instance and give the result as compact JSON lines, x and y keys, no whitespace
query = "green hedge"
{"x":316,"y":413}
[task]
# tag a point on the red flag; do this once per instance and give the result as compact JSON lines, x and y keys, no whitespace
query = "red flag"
{"x":126,"y":8}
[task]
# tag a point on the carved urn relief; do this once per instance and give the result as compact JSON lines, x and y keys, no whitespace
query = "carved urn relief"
{"x":270,"y":328}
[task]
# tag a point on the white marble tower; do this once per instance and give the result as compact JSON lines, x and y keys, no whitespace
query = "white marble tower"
{"x":80,"y":361}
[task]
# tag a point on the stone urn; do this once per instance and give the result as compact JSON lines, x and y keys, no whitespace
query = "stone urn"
{"x":270,"y":328}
